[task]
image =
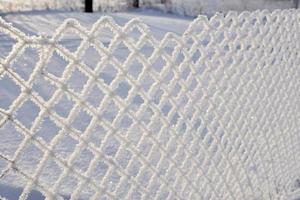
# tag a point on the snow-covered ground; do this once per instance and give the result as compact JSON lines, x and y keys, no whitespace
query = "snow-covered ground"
{"x":46,"y":22}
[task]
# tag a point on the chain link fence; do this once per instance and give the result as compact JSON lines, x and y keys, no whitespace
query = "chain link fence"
{"x":210,"y":114}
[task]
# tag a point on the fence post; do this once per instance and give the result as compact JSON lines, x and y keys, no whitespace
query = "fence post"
{"x":88,"y":5}
{"x":136,"y":3}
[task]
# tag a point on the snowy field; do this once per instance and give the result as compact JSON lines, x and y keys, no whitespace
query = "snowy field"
{"x":46,"y":22}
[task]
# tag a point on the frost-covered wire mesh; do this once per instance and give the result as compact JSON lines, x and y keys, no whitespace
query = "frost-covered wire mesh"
{"x":210,"y":114}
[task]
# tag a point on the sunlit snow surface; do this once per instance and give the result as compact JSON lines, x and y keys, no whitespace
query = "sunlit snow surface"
{"x":46,"y":22}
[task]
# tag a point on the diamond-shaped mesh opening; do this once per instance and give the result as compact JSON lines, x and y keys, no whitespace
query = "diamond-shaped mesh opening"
{"x":146,"y":82}
{"x":83,"y":160}
{"x":67,"y":185}
{"x":135,"y":33}
{"x":145,"y":116}
{"x":155,"y":186}
{"x":123,"y":157}
{"x":30,"y":158}
{"x":220,"y":37}
{"x":196,"y":56}
{"x":174,"y":119}
{"x":134,"y":134}
{"x":157,"y":96}
{"x":56,"y":64}
{"x":147,"y":49}
{"x":168,"y":76}
{"x":27,"y":113}
{"x":137,"y":102}
{"x":166,"y":108}
{"x":86,"y":193}
{"x":25,"y":63}
{"x":9,"y":91}
{"x":77,"y":81}
{"x":159,"y":64}
{"x":111,"y":146}
{"x":205,"y":40}
{"x":111,"y":110}
{"x":6,"y":45}
{"x":185,"y":73}
{"x":190,"y":41}
{"x":4,"y":164}
{"x":155,"y":156}
{"x":97,"y":135}
{"x":232,"y":35}
{"x":47,"y":130}
{"x":208,"y":140}
{"x":105,"y":35}
{"x":169,"y":47}
{"x":95,"y":96}
{"x":112,"y":181}
{"x":193,"y":84}
{"x":65,"y":145}
{"x":43,"y":87}
{"x":121,"y":52}
{"x":163,"y":195}
{"x":91,"y":57}
{"x":176,"y":90}
{"x":171,"y":175}
{"x":70,"y":39}
{"x":123,"y":189}
{"x":12,"y":138}
{"x":63,"y":106}
{"x":145,"y":147}
{"x":164,"y":136}
{"x":108,"y":74}
{"x":81,"y":121}
{"x":180,"y":57}
{"x":145,"y":177}
{"x":163,"y":166}
{"x":126,"y":122}
{"x":134,"y":167}
{"x":123,"y":89}
{"x":182,"y":128}
{"x":50,"y":172}
{"x":135,"y":69}
{"x":100,"y":171}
